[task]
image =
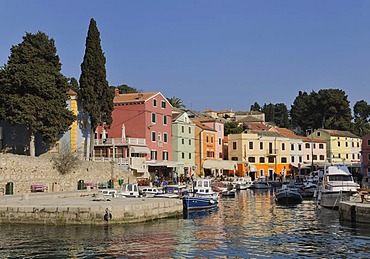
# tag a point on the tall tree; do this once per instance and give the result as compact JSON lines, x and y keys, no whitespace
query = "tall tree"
{"x":269,"y":111}
{"x":95,"y":94}
{"x":73,"y":84}
{"x":33,"y":90}
{"x":232,"y":127}
{"x":281,"y":115}
{"x":361,"y":112}
{"x":176,"y":102}
{"x":255,"y":107}
{"x":125,"y":89}
{"x":300,"y":111}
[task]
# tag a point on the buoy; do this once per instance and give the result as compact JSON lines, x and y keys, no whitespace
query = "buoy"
{"x":107,"y":215}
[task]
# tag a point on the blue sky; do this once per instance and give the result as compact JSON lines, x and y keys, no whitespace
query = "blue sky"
{"x":211,"y":54}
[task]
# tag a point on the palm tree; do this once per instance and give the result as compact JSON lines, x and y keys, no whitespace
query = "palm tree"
{"x":176,"y":102}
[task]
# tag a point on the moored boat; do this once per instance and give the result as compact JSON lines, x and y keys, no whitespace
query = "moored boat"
{"x":288,"y":196}
{"x":201,"y":196}
{"x":242,"y":183}
{"x":261,"y":183}
{"x":336,"y":185}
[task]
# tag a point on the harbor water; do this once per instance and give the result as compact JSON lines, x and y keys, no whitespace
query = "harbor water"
{"x":250,"y":225}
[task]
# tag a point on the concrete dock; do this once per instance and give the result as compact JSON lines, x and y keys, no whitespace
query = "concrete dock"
{"x":354,"y":211}
{"x":81,"y":207}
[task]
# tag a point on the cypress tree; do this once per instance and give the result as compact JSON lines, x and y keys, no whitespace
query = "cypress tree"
{"x":95,"y":94}
{"x":33,"y":90}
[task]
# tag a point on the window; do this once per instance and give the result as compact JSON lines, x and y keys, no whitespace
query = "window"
{"x":307,"y":145}
{"x":314,"y":145}
{"x":282,"y":146}
{"x":308,"y":157}
{"x":300,"y":159}
{"x":234,"y":145}
{"x":165,"y":137}
{"x":153,"y":136}
{"x":165,"y":155}
{"x":368,"y":142}
{"x":321,"y":146}
{"x":271,"y":160}
{"x":211,"y":139}
{"x":314,"y":157}
{"x":219,"y":141}
{"x":183,"y":155}
{"x":318,"y":134}
{"x":292,"y":147}
{"x":299,"y":147}
{"x":220,"y":155}
{"x":346,"y":156}
{"x":291,"y":158}
{"x":338,"y":143}
{"x":153,"y":118}
{"x":189,"y":155}
{"x":251,"y":159}
{"x":164,"y":120}
{"x":189,"y":142}
{"x":251,"y":145}
{"x":346,"y":144}
{"x":182,"y":129}
{"x":261,"y":145}
{"x":262,"y":160}
{"x":153,"y":155}
{"x":322,"y":157}
{"x":155,"y":102}
{"x":189,"y":130}
{"x":163,"y":104}
{"x":234,"y":158}
{"x":283,"y":160}
{"x":182,"y":141}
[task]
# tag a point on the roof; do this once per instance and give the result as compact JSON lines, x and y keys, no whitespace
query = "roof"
{"x":266,"y":133}
{"x":339,"y":133}
{"x":256,"y":126}
{"x":202,"y":126}
{"x":135,"y":97}
{"x":71,"y":92}
{"x":287,"y":133}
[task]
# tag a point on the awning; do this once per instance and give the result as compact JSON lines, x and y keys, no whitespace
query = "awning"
{"x":165,"y":163}
{"x":220,"y":164}
{"x":142,"y":150}
{"x":252,"y":168}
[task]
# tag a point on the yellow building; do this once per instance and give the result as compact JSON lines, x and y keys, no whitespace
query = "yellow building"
{"x":260,"y":153}
{"x":341,"y":146}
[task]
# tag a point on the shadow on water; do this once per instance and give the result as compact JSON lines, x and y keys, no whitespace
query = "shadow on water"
{"x":198,"y":214}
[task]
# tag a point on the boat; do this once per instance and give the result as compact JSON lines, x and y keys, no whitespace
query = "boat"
{"x":260,"y":183}
{"x":172,"y":191}
{"x":149,"y":192}
{"x":242,"y":183}
{"x":203,"y":188}
{"x":335,"y":185}
{"x":224,"y":188}
{"x":201,"y":196}
{"x":288,"y":196}
{"x":129,"y":190}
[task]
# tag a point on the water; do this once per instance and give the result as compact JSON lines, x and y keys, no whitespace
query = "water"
{"x":248,"y":226}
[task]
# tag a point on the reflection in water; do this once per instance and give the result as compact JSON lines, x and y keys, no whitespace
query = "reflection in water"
{"x":249,"y":225}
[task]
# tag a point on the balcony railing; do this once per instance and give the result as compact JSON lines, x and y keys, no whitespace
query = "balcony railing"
{"x":272,"y":152}
{"x":120,"y":141}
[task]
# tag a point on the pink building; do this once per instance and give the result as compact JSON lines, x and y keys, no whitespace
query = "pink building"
{"x":147,"y":116}
{"x":366,"y":155}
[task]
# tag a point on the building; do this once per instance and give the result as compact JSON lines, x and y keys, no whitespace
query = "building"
{"x":183,"y":142}
{"x":341,"y":146}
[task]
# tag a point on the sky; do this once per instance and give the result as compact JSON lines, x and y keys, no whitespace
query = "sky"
{"x":211,"y":54}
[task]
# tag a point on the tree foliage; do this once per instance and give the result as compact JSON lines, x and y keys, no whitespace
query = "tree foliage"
{"x":255,"y":107}
{"x":327,"y":109}
{"x":125,"y":89}
{"x":73,"y":84}
{"x":95,"y":93}
{"x":33,"y":90}
{"x":232,"y":127}
{"x":361,"y":112}
{"x":176,"y":102}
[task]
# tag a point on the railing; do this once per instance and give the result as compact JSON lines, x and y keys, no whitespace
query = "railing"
{"x":272,"y":152}
{"x":120,"y":141}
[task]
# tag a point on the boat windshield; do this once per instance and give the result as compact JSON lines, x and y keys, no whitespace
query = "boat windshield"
{"x":340,"y":178}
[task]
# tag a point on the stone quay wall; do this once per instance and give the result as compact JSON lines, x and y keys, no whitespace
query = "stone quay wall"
{"x":354,"y":212}
{"x":78,"y":208}
{"x":21,"y":172}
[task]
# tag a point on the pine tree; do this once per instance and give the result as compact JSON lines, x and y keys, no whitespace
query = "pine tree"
{"x":95,"y":94}
{"x":33,"y":90}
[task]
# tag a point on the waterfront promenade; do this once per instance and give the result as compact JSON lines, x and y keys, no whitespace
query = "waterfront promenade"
{"x":80,"y":207}
{"x":354,"y":211}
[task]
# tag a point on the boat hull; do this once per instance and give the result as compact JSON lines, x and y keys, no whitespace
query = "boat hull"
{"x":332,"y":199}
{"x":198,"y":203}
{"x":288,"y":198}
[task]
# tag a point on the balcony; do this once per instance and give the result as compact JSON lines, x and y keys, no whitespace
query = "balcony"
{"x":272,"y":152}
{"x":120,"y":142}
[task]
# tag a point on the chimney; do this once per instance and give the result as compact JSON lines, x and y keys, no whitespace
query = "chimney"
{"x":116,"y":92}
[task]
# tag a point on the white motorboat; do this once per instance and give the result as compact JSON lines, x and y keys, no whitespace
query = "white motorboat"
{"x":335,"y":185}
{"x":202,"y":187}
{"x":172,"y":191}
{"x":149,"y":192}
{"x":242,"y":183}
{"x":129,"y":190}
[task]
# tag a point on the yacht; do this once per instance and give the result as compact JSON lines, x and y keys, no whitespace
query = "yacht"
{"x":335,"y":185}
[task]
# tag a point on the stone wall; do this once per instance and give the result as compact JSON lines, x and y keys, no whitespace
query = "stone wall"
{"x":23,"y":171}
